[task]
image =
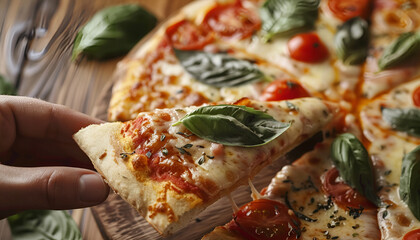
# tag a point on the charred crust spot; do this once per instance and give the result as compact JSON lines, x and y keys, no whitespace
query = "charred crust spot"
{"x":102,"y":156}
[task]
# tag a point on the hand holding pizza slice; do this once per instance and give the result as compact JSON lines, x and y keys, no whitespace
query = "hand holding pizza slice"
{"x":170,"y":164}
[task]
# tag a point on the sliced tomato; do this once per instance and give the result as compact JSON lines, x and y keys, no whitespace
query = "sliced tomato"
{"x":283,"y":89}
{"x":342,"y":194}
{"x":416,"y":97}
{"x":185,"y":35}
{"x":412,"y":235}
{"x":307,"y":47}
{"x":265,"y":219}
{"x":346,"y":9}
{"x":232,"y":21}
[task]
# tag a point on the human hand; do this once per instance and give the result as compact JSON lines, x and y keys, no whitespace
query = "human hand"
{"x":36,"y":133}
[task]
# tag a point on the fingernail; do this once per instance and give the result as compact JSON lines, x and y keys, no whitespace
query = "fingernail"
{"x":92,"y":188}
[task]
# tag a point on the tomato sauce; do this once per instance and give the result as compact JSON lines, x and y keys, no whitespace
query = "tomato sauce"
{"x":265,"y":219}
{"x":342,"y":194}
{"x":156,"y":158}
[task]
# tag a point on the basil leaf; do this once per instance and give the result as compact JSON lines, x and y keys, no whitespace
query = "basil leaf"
{"x":404,"y":47}
{"x":233,"y":125}
{"x":287,"y":17}
{"x":410,"y":181}
{"x":43,"y":224}
{"x":351,"y":41}
{"x":353,"y":162}
{"x":113,"y":31}
{"x":6,"y":88}
{"x":218,"y":69}
{"x":405,"y":120}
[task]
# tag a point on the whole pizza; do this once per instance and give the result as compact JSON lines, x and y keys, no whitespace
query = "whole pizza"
{"x":226,"y":87}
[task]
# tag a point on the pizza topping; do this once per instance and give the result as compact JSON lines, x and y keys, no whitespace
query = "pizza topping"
{"x":344,"y":195}
{"x":233,"y":125}
{"x":287,"y":17}
{"x":232,"y":21}
{"x":347,"y":9}
{"x":403,"y":48}
{"x":416,"y":97}
{"x":265,"y":219}
{"x":405,"y":120}
{"x":351,"y":41}
{"x":353,"y":162}
{"x":307,"y":47}
{"x":283,"y":90}
{"x":410,"y":180}
{"x":412,"y":235}
{"x":218,"y":69}
{"x":186,"y":35}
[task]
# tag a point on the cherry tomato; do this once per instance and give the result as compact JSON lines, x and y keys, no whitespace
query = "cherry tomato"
{"x":342,"y":194}
{"x":185,"y":35}
{"x":307,"y":47}
{"x":416,"y":97}
{"x":346,"y":9}
{"x":232,"y":21}
{"x":265,"y":219}
{"x":282,"y":90}
{"x":412,"y":235}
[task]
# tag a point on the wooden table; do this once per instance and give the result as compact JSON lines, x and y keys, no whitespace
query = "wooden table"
{"x":36,"y":39}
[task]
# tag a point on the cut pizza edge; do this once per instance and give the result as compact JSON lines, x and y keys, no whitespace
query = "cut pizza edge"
{"x":164,"y":204}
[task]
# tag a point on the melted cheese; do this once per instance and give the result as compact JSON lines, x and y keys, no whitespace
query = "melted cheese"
{"x":317,"y":77}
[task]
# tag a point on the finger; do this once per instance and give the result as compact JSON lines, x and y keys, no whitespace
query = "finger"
{"x":39,"y":119}
{"x":45,"y":152}
{"x":49,"y":188}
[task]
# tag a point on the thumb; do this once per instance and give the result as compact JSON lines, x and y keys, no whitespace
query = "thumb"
{"x":49,"y":188}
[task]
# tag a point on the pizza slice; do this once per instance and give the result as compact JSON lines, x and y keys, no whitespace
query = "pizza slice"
{"x":391,"y":125}
{"x":171,"y":164}
{"x":394,"y":48}
{"x":307,"y":200}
